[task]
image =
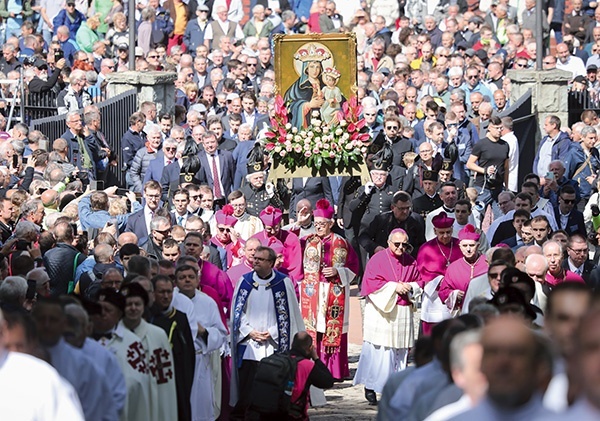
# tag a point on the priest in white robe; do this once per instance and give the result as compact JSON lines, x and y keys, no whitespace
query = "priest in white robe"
{"x":391,"y":286}
{"x":208,"y":341}
{"x":265,"y":318}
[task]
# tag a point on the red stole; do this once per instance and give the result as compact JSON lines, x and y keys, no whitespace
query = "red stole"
{"x":314,"y":261}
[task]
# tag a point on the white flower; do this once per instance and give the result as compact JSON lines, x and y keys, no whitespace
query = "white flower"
{"x":363,"y":149}
{"x":325,"y":129}
{"x":343,"y":123}
{"x":282,"y":153}
{"x":315,"y":113}
{"x":307,"y":147}
{"x":326,"y":146}
{"x":277,"y":149}
{"x":288,"y":126}
{"x":310,"y":134}
{"x":294,"y":130}
{"x":317,"y":123}
{"x":339,"y":132}
{"x":345,"y":136}
{"x":289,"y":148}
{"x":289,"y":136}
{"x":317,"y":139}
{"x":297,"y":138}
{"x":348,"y":146}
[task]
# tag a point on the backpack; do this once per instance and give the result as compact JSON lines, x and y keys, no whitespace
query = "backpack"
{"x":273,"y":384}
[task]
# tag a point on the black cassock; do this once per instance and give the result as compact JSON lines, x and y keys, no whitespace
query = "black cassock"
{"x":177,"y":328}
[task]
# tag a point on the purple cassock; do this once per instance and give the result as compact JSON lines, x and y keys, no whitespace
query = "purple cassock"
{"x":217,"y":279}
{"x":292,"y":253}
{"x":459,"y":275}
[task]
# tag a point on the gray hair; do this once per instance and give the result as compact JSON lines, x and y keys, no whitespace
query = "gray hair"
{"x":159,"y":221}
{"x":588,"y":130}
{"x":24,"y":229}
{"x":458,"y":345}
{"x":455,"y":71}
{"x":30,"y":206}
{"x":13,"y":289}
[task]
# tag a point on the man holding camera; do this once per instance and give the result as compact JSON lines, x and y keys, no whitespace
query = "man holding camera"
{"x":489,"y":163}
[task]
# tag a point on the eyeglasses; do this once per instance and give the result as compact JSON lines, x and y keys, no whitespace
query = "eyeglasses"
{"x":261,"y":259}
{"x":472,"y":76}
{"x":224,"y":229}
{"x":321,"y":224}
{"x":452,"y":125}
{"x":580,"y":251}
{"x":251,"y":64}
{"x":369,"y":114}
{"x":153,"y":56}
{"x":391,"y":127}
{"x":173,"y":149}
{"x":164,"y":232}
{"x":196,"y":197}
{"x":568,"y":201}
{"x":495,"y":275}
{"x":398,"y":244}
{"x":520,"y":65}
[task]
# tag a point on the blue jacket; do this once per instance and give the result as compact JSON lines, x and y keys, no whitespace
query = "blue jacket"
{"x":580,"y":160}
{"x":98,"y":219}
{"x":131,"y":142}
{"x":63,"y":19}
{"x":560,"y":150}
{"x":194,"y":35}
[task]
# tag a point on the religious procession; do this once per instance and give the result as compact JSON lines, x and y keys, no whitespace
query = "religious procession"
{"x":297,"y":209}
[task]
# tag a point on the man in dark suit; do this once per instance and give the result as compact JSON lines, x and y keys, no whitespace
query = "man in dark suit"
{"x":578,"y":261}
{"x":374,"y":238}
{"x":218,"y":167}
{"x":430,"y":199}
{"x":251,"y":115}
{"x":515,"y":241}
{"x":567,"y":216}
{"x":139,"y":222}
{"x":164,"y":157}
{"x":311,"y":188}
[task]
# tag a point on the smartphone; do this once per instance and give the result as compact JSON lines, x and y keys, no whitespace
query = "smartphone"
{"x":58,"y":54}
{"x":550,"y":175}
{"x":121,"y":192}
{"x":97,"y":185}
{"x":25,"y":159}
{"x":74,"y":228}
{"x":15,"y":161}
{"x":31,"y":290}
{"x":23,"y":245}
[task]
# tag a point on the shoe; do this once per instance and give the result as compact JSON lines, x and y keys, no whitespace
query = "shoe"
{"x":371,"y":396}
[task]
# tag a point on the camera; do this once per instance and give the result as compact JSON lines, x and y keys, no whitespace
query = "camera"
{"x":479,"y":206}
{"x":23,"y":245}
{"x":491,"y":177}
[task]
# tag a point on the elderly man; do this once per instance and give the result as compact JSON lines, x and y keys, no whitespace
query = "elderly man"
{"x":536,"y":266}
{"x":247,"y":225}
{"x":484,"y":286}
{"x":433,"y":259}
{"x":391,"y":285}
{"x":82,"y":149}
{"x":74,"y":97}
{"x":304,"y":224}
{"x":461,"y":272}
{"x":554,"y":254}
{"x":330,"y":265}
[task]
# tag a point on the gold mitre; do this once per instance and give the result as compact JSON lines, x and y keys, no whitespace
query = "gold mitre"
{"x":312,"y":53}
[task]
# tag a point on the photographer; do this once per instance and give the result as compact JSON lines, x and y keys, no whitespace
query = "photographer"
{"x":82,"y":149}
{"x":93,"y":209}
{"x":41,"y":83}
{"x":489,"y":163}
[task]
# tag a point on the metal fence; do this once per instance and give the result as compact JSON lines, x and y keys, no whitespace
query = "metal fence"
{"x":579,"y":101}
{"x":115,"y":114}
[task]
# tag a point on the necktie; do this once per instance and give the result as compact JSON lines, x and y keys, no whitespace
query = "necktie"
{"x":215,"y":174}
{"x":180,"y":220}
{"x":169,"y":162}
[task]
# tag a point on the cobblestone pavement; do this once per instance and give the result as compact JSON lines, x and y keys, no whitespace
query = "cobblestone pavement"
{"x":344,"y":401}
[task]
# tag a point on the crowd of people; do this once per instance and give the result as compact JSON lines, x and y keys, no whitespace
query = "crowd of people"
{"x":159,"y":301}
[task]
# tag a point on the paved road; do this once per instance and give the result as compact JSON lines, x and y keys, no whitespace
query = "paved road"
{"x":344,"y":401}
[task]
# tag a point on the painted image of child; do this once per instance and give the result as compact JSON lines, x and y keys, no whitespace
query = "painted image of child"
{"x":332,"y":95}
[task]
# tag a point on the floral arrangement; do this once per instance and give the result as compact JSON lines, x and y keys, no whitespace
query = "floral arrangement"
{"x":326,"y":148}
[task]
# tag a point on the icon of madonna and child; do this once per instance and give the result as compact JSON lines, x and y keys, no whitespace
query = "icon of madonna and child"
{"x":316,"y":87}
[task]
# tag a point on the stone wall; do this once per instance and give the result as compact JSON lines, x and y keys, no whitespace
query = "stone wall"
{"x":157,"y":87}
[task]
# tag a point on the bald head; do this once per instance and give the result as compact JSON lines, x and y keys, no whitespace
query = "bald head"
{"x":50,"y":198}
{"x":127,"y":238}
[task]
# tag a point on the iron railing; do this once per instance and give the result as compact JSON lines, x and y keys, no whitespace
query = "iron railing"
{"x":580,"y":101}
{"x":115,"y":114}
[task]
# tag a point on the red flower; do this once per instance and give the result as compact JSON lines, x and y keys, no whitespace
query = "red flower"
{"x":351,"y":128}
{"x":270,"y":146}
{"x":361,"y":123}
{"x":281,"y":139}
{"x":270,"y":135}
{"x":364,"y":137}
{"x":227,"y":210}
{"x":279,"y":106}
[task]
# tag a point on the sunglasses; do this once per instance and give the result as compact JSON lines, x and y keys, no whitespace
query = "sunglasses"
{"x":173,"y":149}
{"x":495,"y":275}
{"x":391,"y":127}
{"x":472,"y":77}
{"x":251,"y":64}
{"x":398,"y":244}
{"x":568,"y":202}
{"x":222,"y":229}
{"x":164,"y":232}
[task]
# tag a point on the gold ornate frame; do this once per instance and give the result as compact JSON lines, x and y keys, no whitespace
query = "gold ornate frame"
{"x":342,"y":46}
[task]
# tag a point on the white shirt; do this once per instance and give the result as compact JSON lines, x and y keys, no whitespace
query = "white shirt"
{"x":32,"y":390}
{"x":148,"y":215}
{"x":513,"y":161}
{"x":574,"y":65}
